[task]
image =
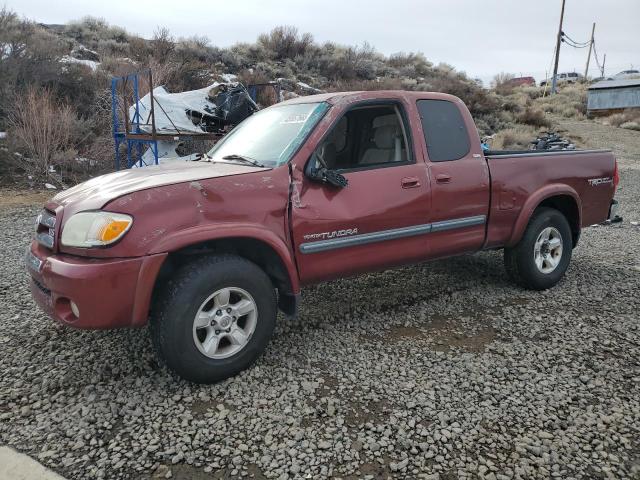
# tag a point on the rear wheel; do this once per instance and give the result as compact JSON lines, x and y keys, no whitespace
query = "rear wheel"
{"x":214,"y":318}
{"x":543,"y":254}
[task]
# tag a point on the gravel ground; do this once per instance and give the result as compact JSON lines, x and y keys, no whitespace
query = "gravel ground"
{"x":443,"y":370}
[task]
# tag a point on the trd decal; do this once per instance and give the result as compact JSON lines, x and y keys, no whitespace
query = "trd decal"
{"x":594,"y":182}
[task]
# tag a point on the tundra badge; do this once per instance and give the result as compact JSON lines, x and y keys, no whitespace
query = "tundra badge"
{"x":336,"y":233}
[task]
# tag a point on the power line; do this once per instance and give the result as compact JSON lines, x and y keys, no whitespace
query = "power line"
{"x":574,"y":41}
{"x":575,"y":46}
{"x":595,"y":54}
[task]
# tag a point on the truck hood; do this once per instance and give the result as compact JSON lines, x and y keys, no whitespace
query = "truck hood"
{"x":95,"y":193}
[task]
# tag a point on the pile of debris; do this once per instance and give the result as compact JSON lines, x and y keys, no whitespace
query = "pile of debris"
{"x":551,"y":141}
{"x":205,"y":110}
{"x":213,"y":109}
{"x":83,"y":56}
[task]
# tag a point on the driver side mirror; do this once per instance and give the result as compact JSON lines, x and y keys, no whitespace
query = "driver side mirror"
{"x":317,"y":171}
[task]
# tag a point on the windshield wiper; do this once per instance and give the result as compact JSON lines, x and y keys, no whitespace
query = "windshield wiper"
{"x":243,"y":158}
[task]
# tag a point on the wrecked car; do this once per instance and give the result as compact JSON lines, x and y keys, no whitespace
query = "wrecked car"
{"x":306,"y":191}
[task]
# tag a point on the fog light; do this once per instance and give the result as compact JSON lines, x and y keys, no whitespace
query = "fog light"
{"x":74,"y":309}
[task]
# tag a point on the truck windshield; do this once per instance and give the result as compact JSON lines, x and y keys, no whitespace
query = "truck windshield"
{"x":271,"y":136}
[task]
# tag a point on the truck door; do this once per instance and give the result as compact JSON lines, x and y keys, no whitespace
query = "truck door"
{"x":380,"y":218}
{"x":460,"y":184}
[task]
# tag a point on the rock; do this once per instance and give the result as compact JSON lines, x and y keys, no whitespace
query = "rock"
{"x":531,"y":385}
{"x":395,"y":467}
{"x":161,"y":472}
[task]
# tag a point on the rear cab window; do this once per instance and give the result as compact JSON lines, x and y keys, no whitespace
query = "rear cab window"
{"x":444,"y":129}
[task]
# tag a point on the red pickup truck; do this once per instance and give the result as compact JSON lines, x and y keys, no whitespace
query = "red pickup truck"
{"x":305,"y":191}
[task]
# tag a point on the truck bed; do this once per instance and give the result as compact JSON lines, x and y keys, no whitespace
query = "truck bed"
{"x":521,"y":178}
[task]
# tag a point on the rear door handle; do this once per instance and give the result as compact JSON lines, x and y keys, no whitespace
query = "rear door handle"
{"x":410,"y":182}
{"x":443,"y":178}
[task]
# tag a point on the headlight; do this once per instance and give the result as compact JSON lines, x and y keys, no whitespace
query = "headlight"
{"x":95,"y":229}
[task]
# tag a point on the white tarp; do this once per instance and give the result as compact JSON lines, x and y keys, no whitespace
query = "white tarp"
{"x":166,"y":152}
{"x":93,"y":65}
{"x":171,"y":109}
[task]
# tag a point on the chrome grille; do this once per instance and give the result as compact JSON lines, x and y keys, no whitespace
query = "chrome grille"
{"x":46,"y":229}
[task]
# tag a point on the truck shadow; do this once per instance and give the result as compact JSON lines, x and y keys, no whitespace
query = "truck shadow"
{"x":399,"y":289}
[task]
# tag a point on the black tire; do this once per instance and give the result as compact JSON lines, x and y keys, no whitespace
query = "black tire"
{"x":519,"y":260}
{"x":180,"y":299}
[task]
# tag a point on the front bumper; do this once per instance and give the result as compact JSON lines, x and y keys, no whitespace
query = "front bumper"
{"x":105,"y":293}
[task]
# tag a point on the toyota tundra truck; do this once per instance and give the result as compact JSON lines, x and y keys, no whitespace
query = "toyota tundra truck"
{"x":306,"y":191}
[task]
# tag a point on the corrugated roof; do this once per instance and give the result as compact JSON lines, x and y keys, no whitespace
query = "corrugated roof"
{"x":627,"y":82}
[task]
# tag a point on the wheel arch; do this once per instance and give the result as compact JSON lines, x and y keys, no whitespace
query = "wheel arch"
{"x":560,"y":197}
{"x":256,"y":250}
{"x":259,"y":245}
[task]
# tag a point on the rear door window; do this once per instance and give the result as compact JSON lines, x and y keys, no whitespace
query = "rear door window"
{"x":444,"y":130}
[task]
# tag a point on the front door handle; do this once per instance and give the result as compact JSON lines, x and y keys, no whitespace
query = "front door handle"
{"x":443,"y":178}
{"x":410,"y":182}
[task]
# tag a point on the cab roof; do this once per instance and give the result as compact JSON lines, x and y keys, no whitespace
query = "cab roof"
{"x":334,"y":98}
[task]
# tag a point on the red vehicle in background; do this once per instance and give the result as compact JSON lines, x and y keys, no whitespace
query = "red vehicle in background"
{"x":308,"y":190}
{"x":520,"y":81}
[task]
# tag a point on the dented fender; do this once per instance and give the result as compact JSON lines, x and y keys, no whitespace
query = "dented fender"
{"x":203,"y":233}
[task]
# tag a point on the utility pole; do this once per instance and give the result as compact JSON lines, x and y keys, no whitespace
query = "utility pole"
{"x":586,"y":69}
{"x":604,"y":59}
{"x":558,"y":41}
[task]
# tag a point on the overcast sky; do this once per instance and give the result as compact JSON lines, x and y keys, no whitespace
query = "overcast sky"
{"x":481,"y":37}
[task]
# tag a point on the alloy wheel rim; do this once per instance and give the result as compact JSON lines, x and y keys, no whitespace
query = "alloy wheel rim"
{"x":225,"y":322}
{"x":547,"y":250}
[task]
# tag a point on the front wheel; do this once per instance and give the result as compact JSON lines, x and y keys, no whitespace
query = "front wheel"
{"x":214,"y":318}
{"x":543,"y":254}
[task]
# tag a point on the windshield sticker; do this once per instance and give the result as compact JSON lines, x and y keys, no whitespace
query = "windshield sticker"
{"x":299,"y":118}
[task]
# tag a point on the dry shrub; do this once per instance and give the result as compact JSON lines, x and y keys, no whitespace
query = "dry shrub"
{"x":164,"y":71}
{"x":162,"y":44}
{"x":570,"y":101}
{"x":285,"y":42}
{"x":501,"y":83}
{"x":41,"y":127}
{"x":615,"y":120}
{"x":619,"y":119}
{"x":531,"y":91}
{"x":534,"y":117}
{"x":516,"y":138}
{"x":631,"y":125}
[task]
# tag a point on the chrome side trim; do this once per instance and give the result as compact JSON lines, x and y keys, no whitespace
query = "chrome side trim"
{"x":393,"y":234}
{"x":363,"y":239}
{"x":457,"y":223}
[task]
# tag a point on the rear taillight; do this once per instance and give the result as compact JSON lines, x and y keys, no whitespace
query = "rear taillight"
{"x":616,"y":176}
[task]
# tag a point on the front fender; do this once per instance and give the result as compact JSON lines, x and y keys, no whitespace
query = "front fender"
{"x":534,"y":200}
{"x":203,"y":233}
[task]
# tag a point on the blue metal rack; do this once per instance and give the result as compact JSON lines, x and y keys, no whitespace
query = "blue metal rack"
{"x":130,"y":131}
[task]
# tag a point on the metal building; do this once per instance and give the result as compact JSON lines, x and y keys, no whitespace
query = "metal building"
{"x":611,"y":96}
